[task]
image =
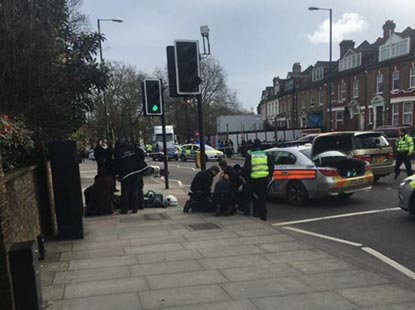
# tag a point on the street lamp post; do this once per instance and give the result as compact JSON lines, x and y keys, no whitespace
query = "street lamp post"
{"x":329,"y":76}
{"x":99,"y":20}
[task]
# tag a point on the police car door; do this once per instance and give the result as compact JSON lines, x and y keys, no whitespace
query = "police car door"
{"x":284,"y":165}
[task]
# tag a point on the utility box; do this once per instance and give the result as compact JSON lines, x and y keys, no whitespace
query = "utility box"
{"x":24,"y":268}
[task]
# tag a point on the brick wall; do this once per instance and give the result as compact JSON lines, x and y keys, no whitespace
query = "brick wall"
{"x":20,"y":204}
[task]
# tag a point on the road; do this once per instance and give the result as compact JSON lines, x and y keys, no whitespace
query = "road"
{"x":390,"y":232}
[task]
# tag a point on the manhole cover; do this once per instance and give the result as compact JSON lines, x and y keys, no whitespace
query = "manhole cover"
{"x":156,"y":216}
{"x":203,"y":226}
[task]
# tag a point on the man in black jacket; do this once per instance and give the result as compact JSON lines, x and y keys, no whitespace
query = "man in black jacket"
{"x":201,"y":188}
{"x":131,"y":164}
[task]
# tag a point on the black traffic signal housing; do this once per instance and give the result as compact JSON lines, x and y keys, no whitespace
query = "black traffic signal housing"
{"x":152,"y":100}
{"x":187,"y":67}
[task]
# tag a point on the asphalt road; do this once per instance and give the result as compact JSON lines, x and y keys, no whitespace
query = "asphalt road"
{"x":391,"y":232}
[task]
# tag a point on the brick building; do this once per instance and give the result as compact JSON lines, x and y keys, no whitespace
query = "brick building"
{"x":372,"y":85}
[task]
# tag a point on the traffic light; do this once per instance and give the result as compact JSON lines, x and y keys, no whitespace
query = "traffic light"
{"x":187,"y":67}
{"x":152,"y":100}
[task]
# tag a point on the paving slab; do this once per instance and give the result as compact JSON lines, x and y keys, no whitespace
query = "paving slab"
{"x":212,"y":235}
{"x":194,"y":278}
{"x":84,"y":246}
{"x":53,"y":266}
{"x":72,"y":276}
{"x":320,"y":301}
{"x":52,"y":292}
{"x":167,"y":247}
{"x":227,"y":305}
{"x":342,"y":279}
{"x":230,"y":251}
{"x":94,"y":288}
{"x":405,"y":306}
{"x":74,"y":255}
{"x":157,"y":240}
{"x":46,"y":277}
{"x":265,"y":288}
{"x":56,"y":246}
{"x":168,"y":256}
{"x":143,"y":235}
{"x":183,"y":296}
{"x":284,"y":246}
{"x":266,"y":239}
{"x":300,"y":255}
{"x":378,"y":295}
{"x":165,"y":268}
{"x":235,"y":261}
{"x":211,"y":244}
{"x":102,"y":262}
{"x":259,"y":272}
{"x":128,"y":301}
{"x":322,"y":265}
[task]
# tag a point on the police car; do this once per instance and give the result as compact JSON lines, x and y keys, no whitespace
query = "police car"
{"x":188,"y":152}
{"x":301,"y":174}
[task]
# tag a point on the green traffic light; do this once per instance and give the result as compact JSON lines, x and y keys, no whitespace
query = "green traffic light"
{"x":155,"y":108}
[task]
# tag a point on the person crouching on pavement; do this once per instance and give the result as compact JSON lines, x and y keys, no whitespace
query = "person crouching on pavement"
{"x":258,"y":170}
{"x":223,"y":197}
{"x":130,"y":160}
{"x":242,"y":193}
{"x":201,"y":187}
{"x":404,"y":149}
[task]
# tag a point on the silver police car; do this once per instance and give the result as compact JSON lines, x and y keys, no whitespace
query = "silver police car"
{"x":405,"y":194}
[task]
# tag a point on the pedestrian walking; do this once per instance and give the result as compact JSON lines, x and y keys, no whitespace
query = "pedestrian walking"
{"x":99,"y":154}
{"x":130,"y":159}
{"x":404,"y":148}
{"x":258,"y":170}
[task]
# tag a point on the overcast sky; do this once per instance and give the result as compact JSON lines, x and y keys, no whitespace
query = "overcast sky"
{"x":254,"y":40}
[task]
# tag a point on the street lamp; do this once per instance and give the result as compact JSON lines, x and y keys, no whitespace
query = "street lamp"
{"x":99,"y":20}
{"x":329,"y":78}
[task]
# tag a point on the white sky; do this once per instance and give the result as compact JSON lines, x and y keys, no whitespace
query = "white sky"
{"x":254,"y":40}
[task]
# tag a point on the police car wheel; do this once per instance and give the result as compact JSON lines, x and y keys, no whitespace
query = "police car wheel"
{"x":297,"y":194}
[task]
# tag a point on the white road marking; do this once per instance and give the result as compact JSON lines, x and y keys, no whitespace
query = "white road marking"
{"x":334,"y":217}
{"x":390,"y":262}
{"x":409,"y":273}
{"x":177,"y":181}
{"x":305,"y":232}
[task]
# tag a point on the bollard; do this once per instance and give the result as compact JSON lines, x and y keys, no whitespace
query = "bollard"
{"x":197,"y":159}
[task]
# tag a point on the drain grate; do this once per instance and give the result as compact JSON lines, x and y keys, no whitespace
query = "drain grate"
{"x":156,"y":216}
{"x":203,"y":226}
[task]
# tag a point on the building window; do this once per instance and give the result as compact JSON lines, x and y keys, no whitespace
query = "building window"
{"x":370,"y":115}
{"x":339,"y":119}
{"x":395,"y":80}
{"x":391,"y":50}
{"x":312,"y":98}
{"x":407,"y":113}
{"x":343,"y":90}
{"x":355,"y":88}
{"x":317,"y":74}
{"x":379,"y":83}
{"x":320,"y":96}
{"x":395,"y":114}
{"x":412,"y":77}
{"x":350,"y":61}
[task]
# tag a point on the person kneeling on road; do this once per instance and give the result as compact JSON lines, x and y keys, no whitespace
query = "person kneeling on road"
{"x":200,"y":199}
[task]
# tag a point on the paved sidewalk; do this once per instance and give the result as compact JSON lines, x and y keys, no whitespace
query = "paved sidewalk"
{"x":164,"y":259}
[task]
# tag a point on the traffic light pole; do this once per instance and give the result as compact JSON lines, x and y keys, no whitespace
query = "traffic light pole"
{"x":201,"y":133}
{"x":163,"y":126}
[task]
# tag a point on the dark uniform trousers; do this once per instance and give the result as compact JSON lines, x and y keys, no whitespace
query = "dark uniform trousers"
{"x":258,"y":193}
{"x":129,"y":193}
{"x":403,"y":157}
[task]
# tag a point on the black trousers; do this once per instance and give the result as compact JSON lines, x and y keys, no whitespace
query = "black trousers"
{"x":258,"y":194}
{"x":129,"y":193}
{"x":403,"y":157}
{"x":140,"y":197}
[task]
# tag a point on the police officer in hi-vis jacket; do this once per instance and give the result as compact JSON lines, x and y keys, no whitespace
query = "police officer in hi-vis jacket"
{"x":404,"y":148}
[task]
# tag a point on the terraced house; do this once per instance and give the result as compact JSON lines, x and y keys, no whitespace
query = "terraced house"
{"x":373,"y":84}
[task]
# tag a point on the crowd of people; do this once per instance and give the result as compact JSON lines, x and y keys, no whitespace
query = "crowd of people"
{"x":124,"y":161}
{"x":238,"y":188}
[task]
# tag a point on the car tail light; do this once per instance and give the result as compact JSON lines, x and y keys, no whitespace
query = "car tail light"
{"x":390,"y":156}
{"x":363,"y":157}
{"x":329,"y":172}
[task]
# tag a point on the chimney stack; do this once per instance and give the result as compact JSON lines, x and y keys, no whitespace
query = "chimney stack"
{"x":296,"y":67}
{"x":388,"y":28}
{"x":345,"y":45}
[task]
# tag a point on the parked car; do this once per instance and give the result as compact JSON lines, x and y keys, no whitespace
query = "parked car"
{"x":172,"y":153}
{"x":300,"y":141}
{"x":406,"y":195}
{"x":303,"y":172}
{"x":370,"y":146}
{"x":188,"y":152}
